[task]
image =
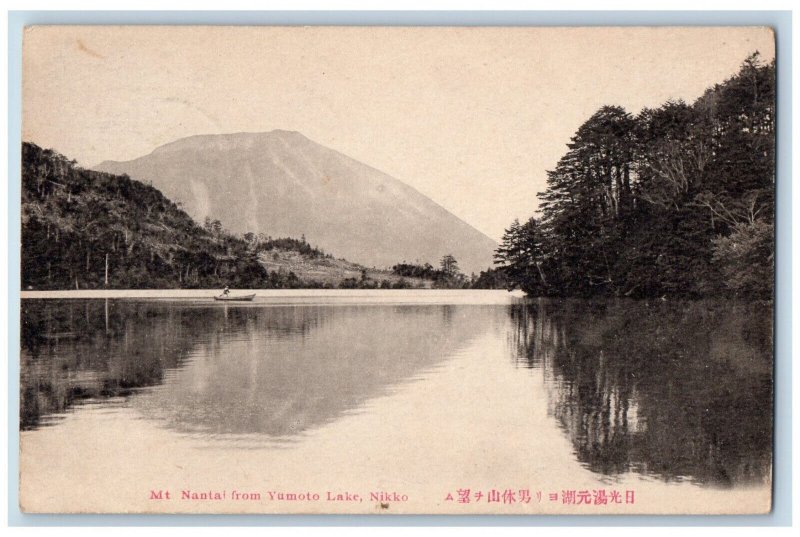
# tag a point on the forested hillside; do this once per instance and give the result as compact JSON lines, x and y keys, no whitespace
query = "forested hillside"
{"x":77,"y":222}
{"x":677,"y":200}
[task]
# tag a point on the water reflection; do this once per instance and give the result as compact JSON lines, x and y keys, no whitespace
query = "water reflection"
{"x":671,"y":390}
{"x":223,"y":370}
{"x":82,"y":350}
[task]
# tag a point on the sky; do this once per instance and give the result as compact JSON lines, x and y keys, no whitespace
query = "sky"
{"x":471,"y":117}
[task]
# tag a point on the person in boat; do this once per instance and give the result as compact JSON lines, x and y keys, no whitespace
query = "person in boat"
{"x":226,"y":291}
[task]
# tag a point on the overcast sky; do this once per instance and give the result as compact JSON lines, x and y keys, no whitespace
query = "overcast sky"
{"x":471,"y":117}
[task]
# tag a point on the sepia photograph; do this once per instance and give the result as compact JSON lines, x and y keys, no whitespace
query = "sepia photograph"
{"x":397,"y":270}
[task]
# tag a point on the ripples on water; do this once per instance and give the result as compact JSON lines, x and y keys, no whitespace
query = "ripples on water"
{"x":672,"y":391}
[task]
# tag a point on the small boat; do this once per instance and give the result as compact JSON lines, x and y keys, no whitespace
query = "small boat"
{"x":236,"y":298}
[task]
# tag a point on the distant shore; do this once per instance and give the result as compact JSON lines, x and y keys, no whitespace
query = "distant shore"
{"x":263,"y":293}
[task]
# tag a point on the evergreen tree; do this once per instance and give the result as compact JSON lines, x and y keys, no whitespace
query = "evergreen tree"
{"x":678,"y":200}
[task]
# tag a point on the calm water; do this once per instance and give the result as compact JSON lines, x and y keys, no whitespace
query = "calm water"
{"x":671,"y":392}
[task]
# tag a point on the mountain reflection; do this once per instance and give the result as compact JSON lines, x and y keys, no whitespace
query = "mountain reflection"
{"x":274,"y":371}
{"x":671,"y":390}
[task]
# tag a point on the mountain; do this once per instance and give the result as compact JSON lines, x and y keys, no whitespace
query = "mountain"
{"x":281,"y":183}
{"x":80,"y":227}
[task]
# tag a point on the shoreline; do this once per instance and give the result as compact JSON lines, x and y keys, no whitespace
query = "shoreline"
{"x":262,"y":293}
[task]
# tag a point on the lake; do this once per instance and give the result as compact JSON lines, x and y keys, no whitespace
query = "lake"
{"x":397,"y":402}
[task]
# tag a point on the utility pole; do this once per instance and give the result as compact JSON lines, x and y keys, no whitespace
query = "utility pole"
{"x":106,"y":269}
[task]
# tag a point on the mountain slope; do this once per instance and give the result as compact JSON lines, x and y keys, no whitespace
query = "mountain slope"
{"x":284,"y":184}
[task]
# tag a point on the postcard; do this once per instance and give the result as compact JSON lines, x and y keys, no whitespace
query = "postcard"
{"x":397,"y":270}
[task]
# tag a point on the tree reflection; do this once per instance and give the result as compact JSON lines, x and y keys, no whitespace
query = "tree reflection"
{"x":674,"y":390}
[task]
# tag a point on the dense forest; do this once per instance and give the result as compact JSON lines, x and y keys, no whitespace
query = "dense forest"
{"x":675,"y":201}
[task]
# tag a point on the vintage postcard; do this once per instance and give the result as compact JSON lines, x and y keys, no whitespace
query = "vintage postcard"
{"x":397,"y":270}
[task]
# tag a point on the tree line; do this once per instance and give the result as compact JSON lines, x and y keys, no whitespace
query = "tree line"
{"x":447,"y":276}
{"x":677,"y":200}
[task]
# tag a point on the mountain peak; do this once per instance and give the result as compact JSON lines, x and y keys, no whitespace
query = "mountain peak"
{"x":228,"y":140}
